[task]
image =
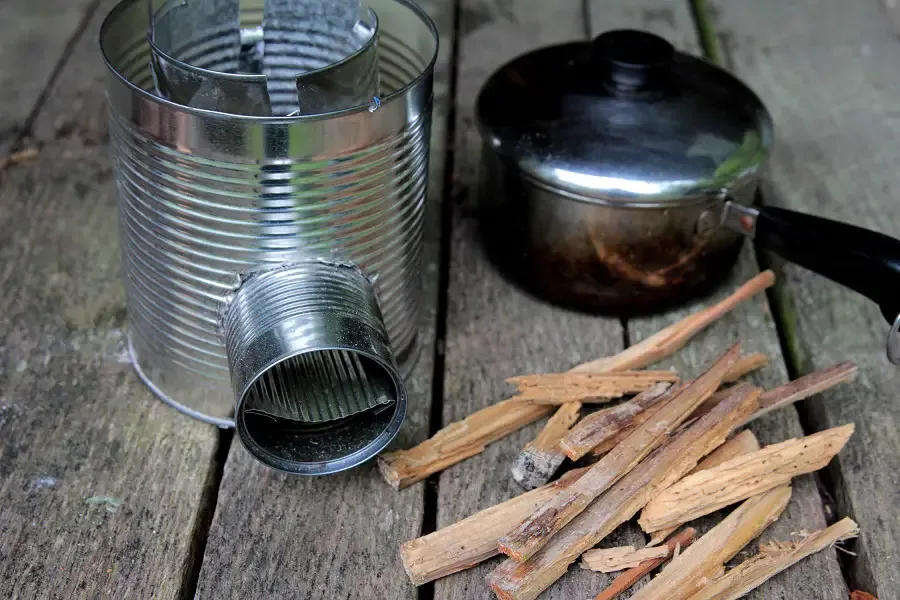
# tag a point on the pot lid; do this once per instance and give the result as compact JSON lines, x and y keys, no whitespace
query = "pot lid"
{"x":624,"y":118}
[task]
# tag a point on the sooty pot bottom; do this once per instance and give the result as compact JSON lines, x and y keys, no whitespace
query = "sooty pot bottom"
{"x":645,"y":278}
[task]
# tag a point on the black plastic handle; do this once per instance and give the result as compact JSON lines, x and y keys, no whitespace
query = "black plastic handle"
{"x":863,"y":260}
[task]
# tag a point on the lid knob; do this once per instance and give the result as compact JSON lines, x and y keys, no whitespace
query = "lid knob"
{"x":632,"y":62}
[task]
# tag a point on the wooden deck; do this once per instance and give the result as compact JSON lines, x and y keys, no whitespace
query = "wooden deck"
{"x":107,"y":493}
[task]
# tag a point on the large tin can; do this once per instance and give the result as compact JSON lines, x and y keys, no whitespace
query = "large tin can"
{"x":272,"y":263}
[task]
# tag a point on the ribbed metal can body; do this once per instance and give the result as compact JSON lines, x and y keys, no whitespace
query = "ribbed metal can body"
{"x":206,"y":199}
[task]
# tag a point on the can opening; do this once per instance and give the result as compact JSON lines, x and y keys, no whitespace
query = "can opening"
{"x":262,"y":58}
{"x":316,"y":383}
{"x":313,"y":412}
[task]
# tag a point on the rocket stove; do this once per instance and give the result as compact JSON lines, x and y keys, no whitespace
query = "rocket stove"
{"x":271,"y":163}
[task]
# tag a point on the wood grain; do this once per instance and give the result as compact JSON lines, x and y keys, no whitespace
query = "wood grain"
{"x":678,"y":542}
{"x":742,"y":442}
{"x":102,"y":487}
{"x":338,"y":536}
{"x":690,"y":571}
{"x":495,"y":331}
{"x":541,"y":458}
{"x":609,"y":422}
{"x":79,"y":515}
{"x":460,"y":440}
{"x":550,"y":519}
{"x":610,"y":560}
{"x":773,"y":558}
{"x":828,"y":72}
{"x":474,"y":539}
{"x":513,"y":580}
{"x":35,"y":33}
{"x":596,"y":388}
{"x":744,"y":476}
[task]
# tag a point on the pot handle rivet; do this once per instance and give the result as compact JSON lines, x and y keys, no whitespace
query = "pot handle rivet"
{"x":893,"y":342}
{"x":707,"y":223}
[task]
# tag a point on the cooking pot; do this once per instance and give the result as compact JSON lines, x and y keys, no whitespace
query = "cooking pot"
{"x":621,"y":177}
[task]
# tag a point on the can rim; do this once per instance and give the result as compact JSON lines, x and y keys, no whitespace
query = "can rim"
{"x":113,"y":14}
{"x":333,"y":465}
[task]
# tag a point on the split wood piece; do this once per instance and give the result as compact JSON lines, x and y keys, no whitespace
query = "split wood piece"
{"x":660,"y":345}
{"x":794,"y":391}
{"x":746,"y":365}
{"x":623,"y":582}
{"x":806,"y":386}
{"x":658,"y":537}
{"x":541,"y":456}
{"x":514,"y":580}
{"x":18,"y":157}
{"x":603,"y":424}
{"x":537,"y":529}
{"x":779,"y":397}
{"x":741,"y":477}
{"x":610,"y":560}
{"x":562,"y":388}
{"x":773,"y":558}
{"x":858,"y":595}
{"x":608,"y":444}
{"x":458,"y":441}
{"x":695,"y":567}
{"x":742,"y":443}
{"x":467,"y":542}
{"x":464,"y":439}
{"x":667,"y":341}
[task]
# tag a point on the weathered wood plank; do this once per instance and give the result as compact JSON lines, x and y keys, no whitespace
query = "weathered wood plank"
{"x":750,"y":323}
{"x":101,"y":485}
{"x":495,"y":331}
{"x":338,"y":536}
{"x":670,"y":19}
{"x":828,"y":71}
{"x":35,"y":33}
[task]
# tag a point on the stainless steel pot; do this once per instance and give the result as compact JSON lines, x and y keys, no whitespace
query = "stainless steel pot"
{"x":620,"y":177}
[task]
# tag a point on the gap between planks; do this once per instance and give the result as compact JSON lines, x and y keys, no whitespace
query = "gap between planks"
{"x":206,"y":510}
{"x":436,"y":413}
{"x":80,"y":30}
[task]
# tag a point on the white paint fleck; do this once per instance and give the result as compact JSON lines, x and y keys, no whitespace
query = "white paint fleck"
{"x":122,"y":357}
{"x":44,"y":482}
{"x":117,"y":344}
{"x":111,"y":504}
{"x":5,"y":408}
{"x":21,"y":367}
{"x":388,"y":521}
